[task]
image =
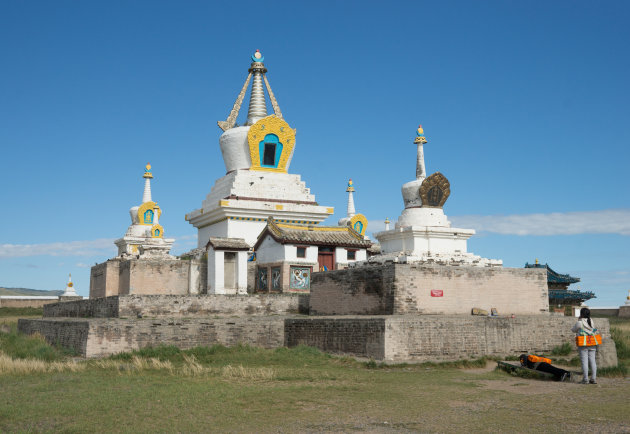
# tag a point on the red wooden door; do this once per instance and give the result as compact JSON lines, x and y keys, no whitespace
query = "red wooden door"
{"x":326,"y":258}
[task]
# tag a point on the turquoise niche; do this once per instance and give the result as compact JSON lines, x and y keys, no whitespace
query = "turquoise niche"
{"x":358,"y":226}
{"x":157,"y":232}
{"x":148,"y":216}
{"x":270,"y":150}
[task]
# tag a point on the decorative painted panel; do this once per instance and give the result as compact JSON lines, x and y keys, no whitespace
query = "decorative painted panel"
{"x":276,"y":282}
{"x":300,"y":278}
{"x":359,"y":223}
{"x":262,"y":281}
{"x":271,"y":129}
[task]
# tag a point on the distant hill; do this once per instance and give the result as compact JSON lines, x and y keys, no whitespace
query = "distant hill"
{"x":26,"y":291}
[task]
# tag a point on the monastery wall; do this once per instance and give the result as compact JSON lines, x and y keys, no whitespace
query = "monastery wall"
{"x":25,"y":301}
{"x":428,"y":289}
{"x":160,"y":306}
{"x":103,"y":337}
{"x":419,"y":338}
{"x":148,"y":276}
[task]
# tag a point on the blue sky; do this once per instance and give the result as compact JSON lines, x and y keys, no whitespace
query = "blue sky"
{"x":524,"y":104}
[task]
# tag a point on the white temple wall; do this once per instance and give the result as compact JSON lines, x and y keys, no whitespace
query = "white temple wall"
{"x":216,"y":277}
{"x":219,"y":229}
{"x":241,"y":269}
{"x":246,"y":229}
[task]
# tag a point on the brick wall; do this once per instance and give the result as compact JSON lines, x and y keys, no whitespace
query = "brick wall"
{"x":407,"y":288}
{"x":92,"y":308}
{"x":102,"y":337}
{"x":155,"y":306}
{"x":421,"y":338}
{"x":25,"y":302}
{"x":104,"y":280}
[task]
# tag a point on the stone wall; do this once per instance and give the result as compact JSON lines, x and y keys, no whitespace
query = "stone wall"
{"x":159,"y":306}
{"x":148,"y":276}
{"x":106,"y":307}
{"x":103,"y":337}
{"x":104,"y":279}
{"x":419,"y":338}
{"x":27,"y":301}
{"x":428,"y":289}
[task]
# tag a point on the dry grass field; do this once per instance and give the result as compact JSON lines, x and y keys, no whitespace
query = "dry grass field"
{"x":246,"y":389}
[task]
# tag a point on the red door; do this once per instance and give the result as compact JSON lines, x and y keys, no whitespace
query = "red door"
{"x":326,"y":258}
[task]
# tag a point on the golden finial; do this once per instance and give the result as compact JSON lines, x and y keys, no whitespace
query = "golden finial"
{"x":536,"y":261}
{"x":147,"y":171}
{"x":420,"y":139}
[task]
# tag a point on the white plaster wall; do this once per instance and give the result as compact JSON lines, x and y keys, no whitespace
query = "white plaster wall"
{"x":235,"y":148}
{"x":241,"y":269}
{"x":219,"y":229}
{"x":270,"y":251}
{"x":341,"y":255}
{"x":216,"y":276}
{"x":248,"y":230}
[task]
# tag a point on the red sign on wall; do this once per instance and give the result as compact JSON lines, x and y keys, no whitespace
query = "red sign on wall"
{"x":437,"y":293}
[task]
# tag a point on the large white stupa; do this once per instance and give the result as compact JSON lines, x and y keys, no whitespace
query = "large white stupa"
{"x":257,"y":184}
{"x":423,"y":233}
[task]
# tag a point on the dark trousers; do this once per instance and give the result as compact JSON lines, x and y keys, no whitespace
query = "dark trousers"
{"x":546,"y":367}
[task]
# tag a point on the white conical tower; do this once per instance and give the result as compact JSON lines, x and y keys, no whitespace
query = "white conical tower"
{"x":257,"y":184}
{"x":350,"y":209}
{"x":146,"y":195}
{"x":69,"y":292}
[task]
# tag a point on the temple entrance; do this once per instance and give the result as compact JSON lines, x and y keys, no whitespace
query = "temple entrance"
{"x":326,"y":258}
{"x":229,"y":270}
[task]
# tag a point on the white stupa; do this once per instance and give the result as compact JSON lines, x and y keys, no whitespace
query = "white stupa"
{"x":423,"y":233}
{"x":69,"y":292}
{"x":358,"y":222}
{"x":145,"y":235}
{"x":257,"y":185}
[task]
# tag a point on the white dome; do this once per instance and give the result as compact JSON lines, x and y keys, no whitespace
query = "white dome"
{"x":235,"y":149}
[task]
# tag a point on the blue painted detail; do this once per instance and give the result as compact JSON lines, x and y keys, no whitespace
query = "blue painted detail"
{"x":157,"y":232}
{"x":358,"y":226}
{"x":148,"y":216}
{"x":270,"y":138}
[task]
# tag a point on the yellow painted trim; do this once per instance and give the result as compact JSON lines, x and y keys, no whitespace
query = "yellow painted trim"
{"x":279,"y":207}
{"x":319,"y":228}
{"x":330,"y":210}
{"x":143,"y":208}
{"x":224,"y":203}
{"x":271,"y":125}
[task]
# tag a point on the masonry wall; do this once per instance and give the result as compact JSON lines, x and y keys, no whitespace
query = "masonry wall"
{"x":419,"y":338}
{"x":428,"y":289}
{"x":106,"y":307}
{"x":104,"y":279}
{"x":26,"y":302}
{"x":159,"y":306}
{"x":102,"y":337}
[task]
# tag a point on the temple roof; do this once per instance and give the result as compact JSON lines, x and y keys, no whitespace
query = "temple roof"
{"x":218,"y":243}
{"x":564,"y":294}
{"x":312,"y":235}
{"x":552,"y":276}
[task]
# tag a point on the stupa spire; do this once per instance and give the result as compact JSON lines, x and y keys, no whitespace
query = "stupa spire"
{"x":69,"y":292}
{"x":420,"y":140}
{"x":350,"y":190}
{"x":146,"y":195}
{"x":257,"y":104}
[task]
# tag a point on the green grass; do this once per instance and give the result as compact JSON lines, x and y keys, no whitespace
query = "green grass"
{"x":21,"y":346}
{"x":20,"y":311}
{"x":249,"y":389}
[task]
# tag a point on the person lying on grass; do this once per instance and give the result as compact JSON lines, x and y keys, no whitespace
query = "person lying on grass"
{"x":543,"y":364}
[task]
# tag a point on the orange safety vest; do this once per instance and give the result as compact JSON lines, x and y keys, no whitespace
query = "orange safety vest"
{"x":537,"y":359}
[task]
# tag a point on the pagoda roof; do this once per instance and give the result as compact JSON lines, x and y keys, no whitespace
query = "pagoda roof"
{"x":563,"y":294}
{"x":552,"y":276}
{"x":343,"y":236}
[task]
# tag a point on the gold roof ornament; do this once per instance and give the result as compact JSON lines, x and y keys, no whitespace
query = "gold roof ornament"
{"x":147,"y":171}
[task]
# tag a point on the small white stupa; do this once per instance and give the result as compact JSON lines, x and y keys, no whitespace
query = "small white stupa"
{"x":358,"y":222}
{"x":423,"y":232}
{"x":69,"y":292}
{"x":145,"y":235}
{"x":257,"y":184}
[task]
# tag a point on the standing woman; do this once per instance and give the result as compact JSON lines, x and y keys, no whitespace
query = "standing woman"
{"x":586,"y":333}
